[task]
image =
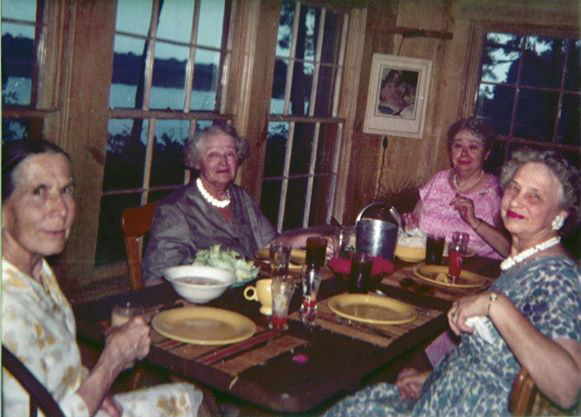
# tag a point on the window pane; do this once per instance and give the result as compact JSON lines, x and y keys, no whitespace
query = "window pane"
{"x":326,"y":148}
{"x":324,"y":103}
{"x":285,"y":28}
{"x":211,"y":23}
{"x":205,"y":81}
{"x":19,"y":9}
{"x":496,"y":158}
{"x":308,"y":33}
{"x":169,"y":70}
{"x":128,"y":72}
{"x":572,"y":75}
{"x":269,"y":201}
{"x":498,"y":64}
{"x":133,"y":16}
{"x":175,"y":21}
{"x":568,"y":132}
{"x":278,"y":86}
{"x":302,"y":148}
{"x":158,"y":195}
{"x":543,"y":62}
{"x":14,"y":129}
{"x":110,"y":243}
{"x":332,"y":38}
{"x":18,"y":59}
{"x":495,"y":105}
{"x":535,"y":115}
{"x":275,"y":149}
{"x":125,"y":154}
{"x":295,"y":203}
{"x":301,"y":88}
{"x":167,"y":167}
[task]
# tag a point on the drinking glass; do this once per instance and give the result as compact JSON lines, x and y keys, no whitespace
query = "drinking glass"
{"x":344,"y":238}
{"x":279,"y":258}
{"x":121,"y":314}
{"x":456,"y":251}
{"x":360,"y":276}
{"x":316,"y":251}
{"x":434,"y":249}
{"x":282,"y":291}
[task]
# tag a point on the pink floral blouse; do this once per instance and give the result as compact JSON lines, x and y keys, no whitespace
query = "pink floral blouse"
{"x":439,"y":217}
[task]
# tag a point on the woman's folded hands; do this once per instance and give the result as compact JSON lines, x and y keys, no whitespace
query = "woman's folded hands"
{"x":410,"y":381}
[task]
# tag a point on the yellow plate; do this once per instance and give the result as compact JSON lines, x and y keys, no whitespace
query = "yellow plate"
{"x":374,"y":309}
{"x":298,"y":256}
{"x":203,"y":325}
{"x":467,"y":279}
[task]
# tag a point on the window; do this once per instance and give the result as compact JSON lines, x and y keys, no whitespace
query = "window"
{"x":22,"y":33}
{"x":168,"y":81}
{"x":529,"y":90}
{"x":304,"y":131}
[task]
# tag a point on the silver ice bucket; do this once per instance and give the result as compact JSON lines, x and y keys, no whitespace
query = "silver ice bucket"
{"x":375,"y":237}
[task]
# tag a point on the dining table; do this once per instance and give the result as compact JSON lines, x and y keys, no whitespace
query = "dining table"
{"x":310,"y":365}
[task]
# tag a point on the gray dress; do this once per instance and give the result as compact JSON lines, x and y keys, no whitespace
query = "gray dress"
{"x":184,"y":222}
{"x":475,"y":379}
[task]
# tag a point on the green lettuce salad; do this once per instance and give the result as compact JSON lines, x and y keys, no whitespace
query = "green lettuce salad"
{"x":229,"y":260}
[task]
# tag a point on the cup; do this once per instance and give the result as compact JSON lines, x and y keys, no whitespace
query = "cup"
{"x":456,"y":251}
{"x":261,"y":292}
{"x":344,"y":241}
{"x":434,"y":249}
{"x":282,"y":291}
{"x":279,"y":258}
{"x":360,"y":276}
{"x":121,"y":314}
{"x":311,"y":281}
{"x":316,"y":251}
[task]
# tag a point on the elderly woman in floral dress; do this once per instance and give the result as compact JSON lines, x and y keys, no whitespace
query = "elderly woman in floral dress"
{"x":38,"y":325}
{"x":530,"y":317}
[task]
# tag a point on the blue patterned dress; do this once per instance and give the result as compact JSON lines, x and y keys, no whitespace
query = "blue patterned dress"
{"x":475,"y":379}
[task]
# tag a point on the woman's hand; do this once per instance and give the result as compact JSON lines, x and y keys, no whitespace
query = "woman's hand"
{"x":128,"y":343}
{"x":410,"y":381}
{"x":465,"y":207}
{"x":466,"y":307}
{"x":111,"y":407}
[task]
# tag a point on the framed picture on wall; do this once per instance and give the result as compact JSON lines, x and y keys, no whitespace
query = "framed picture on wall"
{"x":397,"y":96}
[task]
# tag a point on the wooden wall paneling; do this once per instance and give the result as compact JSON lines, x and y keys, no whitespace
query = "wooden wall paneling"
{"x":85,"y":110}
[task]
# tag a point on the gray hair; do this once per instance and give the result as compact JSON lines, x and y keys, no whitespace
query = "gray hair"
{"x":195,"y":145}
{"x":568,"y":176}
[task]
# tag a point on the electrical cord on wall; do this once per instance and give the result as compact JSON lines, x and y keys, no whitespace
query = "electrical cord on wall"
{"x":384,"y":144}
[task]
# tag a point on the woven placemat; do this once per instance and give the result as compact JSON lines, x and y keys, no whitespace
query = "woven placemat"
{"x":380,"y":335}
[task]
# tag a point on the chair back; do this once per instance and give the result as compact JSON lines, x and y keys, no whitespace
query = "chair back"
{"x":527,"y":400}
{"x":136,"y":222}
{"x":39,"y":397}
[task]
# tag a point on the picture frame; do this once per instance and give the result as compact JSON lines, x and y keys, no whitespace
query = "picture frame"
{"x":397,"y":96}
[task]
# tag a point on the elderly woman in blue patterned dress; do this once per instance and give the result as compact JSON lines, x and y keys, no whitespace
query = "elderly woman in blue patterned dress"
{"x":530,"y":317}
{"x":211,"y":210}
{"x":38,"y":325}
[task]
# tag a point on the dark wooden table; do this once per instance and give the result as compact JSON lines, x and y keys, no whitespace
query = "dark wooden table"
{"x":336,"y":363}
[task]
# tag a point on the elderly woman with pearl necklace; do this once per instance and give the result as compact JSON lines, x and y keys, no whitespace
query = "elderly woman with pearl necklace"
{"x":530,"y":317}
{"x":211,"y":210}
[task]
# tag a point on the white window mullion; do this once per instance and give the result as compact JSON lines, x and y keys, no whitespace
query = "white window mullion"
{"x":285,"y":175}
{"x":337,"y":87}
{"x":291,"y":63}
{"x":334,"y":169}
{"x":318,"y":48}
{"x":148,"y":161}
{"x":311,"y":178}
{"x":190,"y":66}
{"x":150,"y":55}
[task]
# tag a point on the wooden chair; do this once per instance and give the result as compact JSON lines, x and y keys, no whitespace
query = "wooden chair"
{"x":39,"y":397}
{"x":527,"y":400}
{"x":136,"y":222}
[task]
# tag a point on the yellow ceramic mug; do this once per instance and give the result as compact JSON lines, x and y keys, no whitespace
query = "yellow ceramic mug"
{"x":261,"y":293}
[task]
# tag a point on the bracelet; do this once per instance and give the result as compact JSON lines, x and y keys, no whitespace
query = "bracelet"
{"x":491,"y":299}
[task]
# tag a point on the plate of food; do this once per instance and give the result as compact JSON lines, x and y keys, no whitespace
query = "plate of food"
{"x":203,"y":325}
{"x":229,"y":260}
{"x":438,"y":275}
{"x":371,"y":308}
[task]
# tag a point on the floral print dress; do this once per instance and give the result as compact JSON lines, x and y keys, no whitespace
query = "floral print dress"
{"x":38,"y":326}
{"x":475,"y":379}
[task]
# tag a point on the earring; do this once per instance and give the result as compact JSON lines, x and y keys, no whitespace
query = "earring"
{"x":558,"y":222}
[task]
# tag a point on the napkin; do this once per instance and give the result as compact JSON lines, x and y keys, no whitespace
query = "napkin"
{"x":482,"y":327}
{"x":343,"y":266}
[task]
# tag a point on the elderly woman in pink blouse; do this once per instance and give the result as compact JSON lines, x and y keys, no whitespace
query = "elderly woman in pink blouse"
{"x":464,"y":197}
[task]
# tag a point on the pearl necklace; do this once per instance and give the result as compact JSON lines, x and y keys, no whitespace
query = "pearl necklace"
{"x":519,"y":257}
{"x":455,"y":181}
{"x":213,"y":201}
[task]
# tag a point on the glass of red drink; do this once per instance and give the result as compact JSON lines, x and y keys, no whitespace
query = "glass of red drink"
{"x":282,"y":289}
{"x":456,"y":252}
